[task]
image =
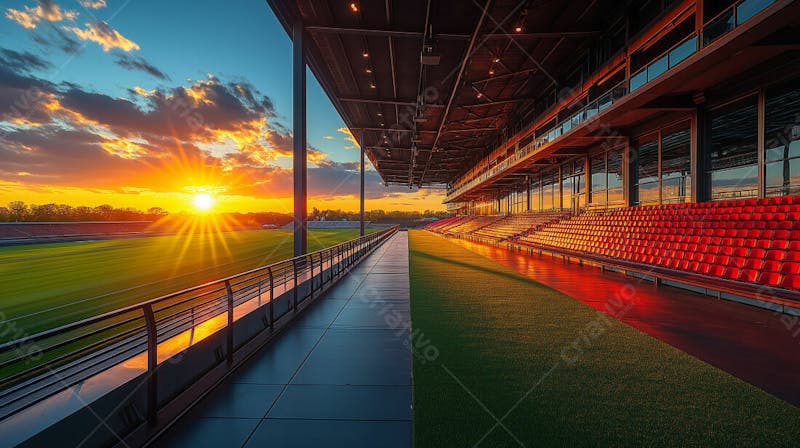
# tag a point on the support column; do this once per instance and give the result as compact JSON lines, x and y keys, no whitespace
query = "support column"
{"x":299,"y":167}
{"x":629,"y":174}
{"x":362,"y":143}
{"x":528,"y":192}
{"x":762,"y":181}
{"x":700,"y":148}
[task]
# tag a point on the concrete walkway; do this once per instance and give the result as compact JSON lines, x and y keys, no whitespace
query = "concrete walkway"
{"x":340,"y":376}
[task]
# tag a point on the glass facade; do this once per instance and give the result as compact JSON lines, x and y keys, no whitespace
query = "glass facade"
{"x":646,"y":186}
{"x":573,"y":185}
{"x":536,"y":192}
{"x":732,"y":169}
{"x":550,"y":191}
{"x":782,"y":141}
{"x":615,"y":177}
{"x":661,"y":167}
{"x":598,"y":193}
{"x":676,"y":165}
{"x":606,"y":183}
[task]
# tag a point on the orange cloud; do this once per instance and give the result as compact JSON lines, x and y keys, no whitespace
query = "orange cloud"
{"x":30,"y":17}
{"x":349,"y":138}
{"x":105,"y":36}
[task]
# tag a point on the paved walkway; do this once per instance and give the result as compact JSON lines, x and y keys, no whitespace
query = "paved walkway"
{"x":340,"y":376}
{"x":756,"y":345}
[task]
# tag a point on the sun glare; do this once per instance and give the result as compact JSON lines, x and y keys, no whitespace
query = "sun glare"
{"x":203,"y":202}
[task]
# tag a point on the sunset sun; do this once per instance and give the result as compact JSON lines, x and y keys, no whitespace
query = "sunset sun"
{"x":203,"y":202}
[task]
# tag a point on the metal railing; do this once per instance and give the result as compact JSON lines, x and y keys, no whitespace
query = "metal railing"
{"x":730,"y":18}
{"x":556,"y":132}
{"x":37,"y":366}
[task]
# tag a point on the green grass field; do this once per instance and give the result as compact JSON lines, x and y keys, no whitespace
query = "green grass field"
{"x":88,"y":278}
{"x":556,"y":373}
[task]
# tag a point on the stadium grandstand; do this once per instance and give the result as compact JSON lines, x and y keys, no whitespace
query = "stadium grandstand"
{"x":621,"y":267}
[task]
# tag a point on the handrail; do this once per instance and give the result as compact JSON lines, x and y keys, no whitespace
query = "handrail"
{"x":136,"y":306}
{"x":75,"y":351}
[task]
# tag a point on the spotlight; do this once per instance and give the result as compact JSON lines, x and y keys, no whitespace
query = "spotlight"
{"x":491,"y":72}
{"x":353,"y":7}
{"x":369,"y":71}
{"x":365,"y":54}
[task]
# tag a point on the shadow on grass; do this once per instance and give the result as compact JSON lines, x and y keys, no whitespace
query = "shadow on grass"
{"x":484,"y":269}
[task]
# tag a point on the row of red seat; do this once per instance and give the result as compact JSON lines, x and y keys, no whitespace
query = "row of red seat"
{"x":752,"y":248}
{"x":512,"y":226}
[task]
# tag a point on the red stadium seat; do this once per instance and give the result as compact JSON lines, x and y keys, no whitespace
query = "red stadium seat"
{"x":771,"y":266}
{"x":790,"y":268}
{"x":769,"y":279}
{"x":791,"y":282}
{"x":731,"y":273}
{"x":748,"y":275}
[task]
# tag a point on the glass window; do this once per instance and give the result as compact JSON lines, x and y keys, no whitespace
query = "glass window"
{"x":656,"y":68}
{"x":676,"y":165}
{"x":615,"y":193}
{"x":682,"y":51}
{"x":536,"y":193}
{"x":599,"y":178}
{"x":782,"y":141}
{"x":748,"y":8}
{"x":733,"y":162}
{"x":718,"y":27}
{"x":647,"y":173}
{"x":638,"y":80}
{"x":549,"y":190}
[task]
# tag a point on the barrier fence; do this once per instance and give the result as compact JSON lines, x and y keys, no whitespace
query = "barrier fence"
{"x":37,"y":366}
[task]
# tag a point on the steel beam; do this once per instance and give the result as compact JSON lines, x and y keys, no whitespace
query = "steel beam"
{"x":461,"y":69}
{"x":378,"y":32}
{"x":300,"y":173}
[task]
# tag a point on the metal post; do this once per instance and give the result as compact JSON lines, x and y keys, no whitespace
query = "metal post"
{"x":294,"y":267}
{"x":311,"y":277}
{"x":152,"y":363}
{"x":299,"y":142}
{"x":271,"y":298}
{"x":229,"y":330}
{"x":362,"y":183}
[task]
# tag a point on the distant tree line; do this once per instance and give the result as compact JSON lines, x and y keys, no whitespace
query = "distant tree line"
{"x":18,"y":211}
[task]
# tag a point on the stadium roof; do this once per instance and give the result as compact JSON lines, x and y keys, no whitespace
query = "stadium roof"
{"x":495,"y":58}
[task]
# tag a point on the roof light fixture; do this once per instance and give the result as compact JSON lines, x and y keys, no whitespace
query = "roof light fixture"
{"x":353,"y":7}
{"x":520,"y":26}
